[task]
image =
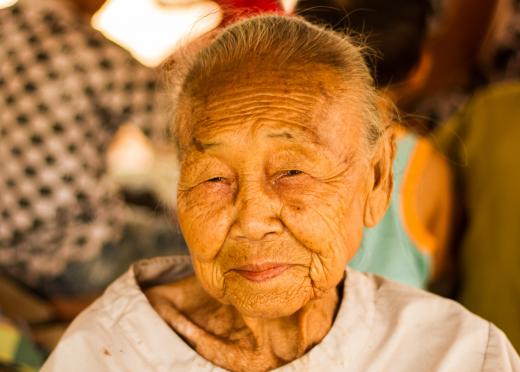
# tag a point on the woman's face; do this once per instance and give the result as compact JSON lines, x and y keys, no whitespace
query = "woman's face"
{"x":275,"y":178}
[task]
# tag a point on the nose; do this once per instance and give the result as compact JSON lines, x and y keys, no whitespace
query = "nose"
{"x":257,"y":215}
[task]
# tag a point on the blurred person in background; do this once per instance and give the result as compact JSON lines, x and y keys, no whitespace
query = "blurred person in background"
{"x":482,"y":141}
{"x":410,"y":244}
{"x":65,"y":90}
{"x":469,"y":89}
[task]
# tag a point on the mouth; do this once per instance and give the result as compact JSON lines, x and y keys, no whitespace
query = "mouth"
{"x":262,"y":272}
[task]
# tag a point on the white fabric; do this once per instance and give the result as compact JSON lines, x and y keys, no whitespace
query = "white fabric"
{"x":380,"y":326}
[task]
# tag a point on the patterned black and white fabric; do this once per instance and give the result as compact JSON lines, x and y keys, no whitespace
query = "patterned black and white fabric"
{"x":64,"y":90}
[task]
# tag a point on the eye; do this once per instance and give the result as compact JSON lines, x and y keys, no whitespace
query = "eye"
{"x":291,"y":173}
{"x":216,"y":179}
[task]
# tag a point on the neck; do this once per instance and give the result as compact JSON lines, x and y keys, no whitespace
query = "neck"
{"x":288,"y":338}
{"x":228,"y":339}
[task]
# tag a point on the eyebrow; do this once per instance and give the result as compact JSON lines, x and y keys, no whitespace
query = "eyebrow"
{"x":294,"y":133}
{"x":202,"y":147}
{"x":285,"y":135}
{"x":300,"y":132}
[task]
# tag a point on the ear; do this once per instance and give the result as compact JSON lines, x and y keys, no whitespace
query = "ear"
{"x":381,"y":179}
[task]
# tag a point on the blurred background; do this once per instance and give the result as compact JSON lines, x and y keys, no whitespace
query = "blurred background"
{"x":87,"y":168}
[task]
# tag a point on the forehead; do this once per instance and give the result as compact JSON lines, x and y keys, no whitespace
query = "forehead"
{"x":301,"y":101}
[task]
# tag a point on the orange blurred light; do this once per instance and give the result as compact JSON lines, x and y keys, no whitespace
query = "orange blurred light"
{"x":151,"y":31}
{"x":288,"y":5}
{"x":6,"y":3}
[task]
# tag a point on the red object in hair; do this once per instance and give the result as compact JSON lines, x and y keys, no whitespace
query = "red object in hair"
{"x":259,"y":5}
{"x":236,"y":9}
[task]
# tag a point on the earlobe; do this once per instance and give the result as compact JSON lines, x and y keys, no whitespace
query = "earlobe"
{"x":381,"y":181}
{"x":377,"y":201}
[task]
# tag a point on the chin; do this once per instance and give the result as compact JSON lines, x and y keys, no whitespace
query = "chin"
{"x":273,"y":299}
{"x":270,"y":312}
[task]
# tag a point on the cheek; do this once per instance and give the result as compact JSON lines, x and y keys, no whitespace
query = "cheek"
{"x":211,"y":277}
{"x":205,"y":217}
{"x":328,"y":220}
{"x":205,"y":222}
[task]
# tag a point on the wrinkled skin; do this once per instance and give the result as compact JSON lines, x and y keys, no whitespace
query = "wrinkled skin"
{"x":277,"y":182}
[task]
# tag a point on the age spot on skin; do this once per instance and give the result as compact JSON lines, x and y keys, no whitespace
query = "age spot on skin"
{"x":198,"y":145}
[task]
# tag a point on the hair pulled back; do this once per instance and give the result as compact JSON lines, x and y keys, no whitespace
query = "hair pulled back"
{"x":280,"y":41}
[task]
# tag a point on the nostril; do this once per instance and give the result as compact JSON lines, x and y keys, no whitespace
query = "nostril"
{"x":256,"y":226}
{"x":257,"y":214}
{"x":259,"y":229}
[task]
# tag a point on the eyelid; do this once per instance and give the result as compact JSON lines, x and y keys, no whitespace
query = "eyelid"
{"x":291,"y":172}
{"x":216,"y":179}
{"x":201,"y":168}
{"x":288,"y":174}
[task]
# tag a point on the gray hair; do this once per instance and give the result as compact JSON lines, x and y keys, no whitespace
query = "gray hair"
{"x":282,"y":40}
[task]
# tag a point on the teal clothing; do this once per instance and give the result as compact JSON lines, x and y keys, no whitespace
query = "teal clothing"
{"x":387,"y":249}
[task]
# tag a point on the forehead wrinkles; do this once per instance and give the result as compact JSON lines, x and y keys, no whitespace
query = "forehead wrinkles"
{"x":279,"y":96}
{"x":255,"y":108}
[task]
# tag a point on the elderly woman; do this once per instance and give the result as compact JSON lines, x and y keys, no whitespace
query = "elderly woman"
{"x":285,"y":156}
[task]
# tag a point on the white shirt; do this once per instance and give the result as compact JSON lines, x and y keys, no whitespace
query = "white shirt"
{"x":380,"y":326}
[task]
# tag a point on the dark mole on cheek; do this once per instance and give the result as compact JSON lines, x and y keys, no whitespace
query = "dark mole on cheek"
{"x":295,"y":207}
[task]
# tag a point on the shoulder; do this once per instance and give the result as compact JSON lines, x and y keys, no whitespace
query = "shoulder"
{"x":500,"y":354}
{"x":411,"y":305}
{"x":393,"y":300}
{"x":121,"y":330}
{"x":421,"y":331}
{"x":97,"y":337}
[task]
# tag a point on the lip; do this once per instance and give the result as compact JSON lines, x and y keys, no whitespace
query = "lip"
{"x":261,"y":272}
